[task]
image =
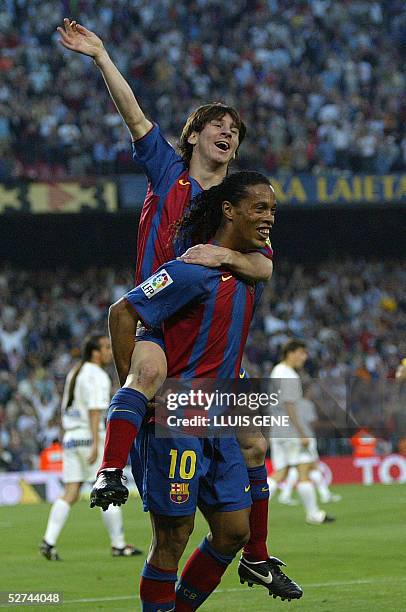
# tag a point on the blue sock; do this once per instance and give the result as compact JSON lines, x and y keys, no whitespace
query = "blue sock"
{"x":208,"y":549}
{"x":128,"y":405}
{"x":256,"y":548}
{"x":258,"y":478}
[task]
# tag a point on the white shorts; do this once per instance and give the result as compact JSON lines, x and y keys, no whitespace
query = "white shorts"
{"x":75,"y":466}
{"x":287,"y":452}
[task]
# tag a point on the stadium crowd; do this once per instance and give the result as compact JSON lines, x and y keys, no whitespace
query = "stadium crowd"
{"x":351,"y":315}
{"x":319,"y":83}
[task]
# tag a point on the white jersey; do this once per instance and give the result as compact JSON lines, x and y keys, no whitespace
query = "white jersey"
{"x":306,"y":411}
{"x":92,"y":392}
{"x":289,"y":390}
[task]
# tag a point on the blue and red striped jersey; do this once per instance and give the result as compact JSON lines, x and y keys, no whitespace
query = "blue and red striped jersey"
{"x":205,"y":315}
{"x":170,"y":189}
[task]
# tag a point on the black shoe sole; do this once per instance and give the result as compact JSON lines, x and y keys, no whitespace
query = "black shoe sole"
{"x":103,"y":500}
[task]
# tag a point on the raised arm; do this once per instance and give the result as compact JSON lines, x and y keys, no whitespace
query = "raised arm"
{"x":77,"y":38}
{"x":249,"y":266}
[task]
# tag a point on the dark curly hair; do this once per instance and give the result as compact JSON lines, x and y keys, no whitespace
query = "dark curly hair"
{"x":201,"y":117}
{"x":204,"y":215}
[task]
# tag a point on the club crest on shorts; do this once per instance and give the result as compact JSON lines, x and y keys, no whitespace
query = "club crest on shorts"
{"x":154,"y":284}
{"x":179,"y":492}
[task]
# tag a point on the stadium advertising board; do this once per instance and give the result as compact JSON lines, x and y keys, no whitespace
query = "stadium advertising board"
{"x":303,"y":190}
{"x":386,"y":469}
{"x":366,"y":470}
{"x":128,"y":192}
{"x":35,"y":487}
{"x":342,"y":189}
{"x":91,"y":195}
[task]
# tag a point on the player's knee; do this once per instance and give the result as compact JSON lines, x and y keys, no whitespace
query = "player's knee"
{"x":149,"y":374}
{"x":254,"y":450}
{"x":233,"y":539}
{"x":178,"y":541}
{"x":236,"y":539}
{"x":173,"y":536}
{"x":71,"y":497}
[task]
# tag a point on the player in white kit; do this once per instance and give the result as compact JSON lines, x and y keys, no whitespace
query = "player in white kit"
{"x":308,"y":416}
{"x":85,"y":400}
{"x":298,"y":449}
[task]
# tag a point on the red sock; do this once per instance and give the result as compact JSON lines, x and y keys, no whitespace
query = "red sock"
{"x":256,"y":549}
{"x":120,"y":435}
{"x":201,"y":575}
{"x":157,"y":588}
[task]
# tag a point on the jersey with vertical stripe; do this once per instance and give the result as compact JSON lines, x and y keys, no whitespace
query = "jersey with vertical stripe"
{"x":170,"y":189}
{"x":205,"y":315}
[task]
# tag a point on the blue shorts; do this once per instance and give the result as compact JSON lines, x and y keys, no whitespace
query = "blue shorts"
{"x":176,"y":475}
{"x":150,"y":334}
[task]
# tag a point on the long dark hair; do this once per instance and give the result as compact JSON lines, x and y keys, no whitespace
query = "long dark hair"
{"x":91,"y":343}
{"x":204,"y":215}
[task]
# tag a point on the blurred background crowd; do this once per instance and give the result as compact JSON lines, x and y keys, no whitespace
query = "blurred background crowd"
{"x":351,"y":315}
{"x":319,"y":83}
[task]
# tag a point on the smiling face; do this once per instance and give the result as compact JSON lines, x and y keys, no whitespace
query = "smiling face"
{"x":251,"y":220}
{"x":218,"y":141}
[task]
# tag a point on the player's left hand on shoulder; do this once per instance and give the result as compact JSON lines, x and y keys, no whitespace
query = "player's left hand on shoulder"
{"x":208,"y":255}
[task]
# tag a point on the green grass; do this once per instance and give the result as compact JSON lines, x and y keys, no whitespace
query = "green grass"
{"x":355,"y":564}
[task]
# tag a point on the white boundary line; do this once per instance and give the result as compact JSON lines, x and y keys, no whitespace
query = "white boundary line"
{"x":315,"y":585}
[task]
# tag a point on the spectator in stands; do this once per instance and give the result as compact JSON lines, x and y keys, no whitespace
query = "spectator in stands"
{"x":324,"y":79}
{"x":50,"y":458}
{"x":350,"y":314}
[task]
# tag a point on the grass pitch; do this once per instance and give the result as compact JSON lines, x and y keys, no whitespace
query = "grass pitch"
{"x":355,"y":564}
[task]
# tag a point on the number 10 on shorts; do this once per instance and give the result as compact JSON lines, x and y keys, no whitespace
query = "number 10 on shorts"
{"x":187,"y":464}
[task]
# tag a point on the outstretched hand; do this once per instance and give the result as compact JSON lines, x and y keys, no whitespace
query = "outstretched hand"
{"x":77,"y":38}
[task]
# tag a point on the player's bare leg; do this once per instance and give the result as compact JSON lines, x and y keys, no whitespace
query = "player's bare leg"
{"x":58,"y":516}
{"x":285,"y":496}
{"x":142,"y":367}
{"x":71,"y":492}
{"x":122,"y":328}
{"x":170,"y":535}
{"x":148,"y":368}
{"x":307,"y":493}
{"x":326,"y":496}
{"x":277,"y":477}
